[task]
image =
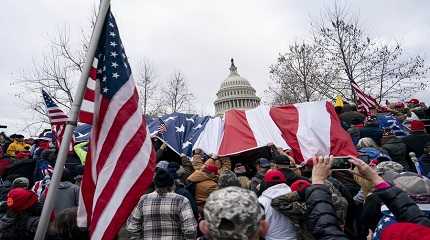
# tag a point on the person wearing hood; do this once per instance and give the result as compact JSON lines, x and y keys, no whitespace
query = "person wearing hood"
{"x":205,"y":181}
{"x":67,"y":193}
{"x":280,"y":226}
{"x":371,"y":130}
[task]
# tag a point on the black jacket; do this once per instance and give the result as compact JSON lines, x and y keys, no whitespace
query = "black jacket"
{"x":321,"y":214}
{"x":397,"y":150}
{"x":415,"y":142}
{"x":322,"y":220}
{"x":402,"y":206}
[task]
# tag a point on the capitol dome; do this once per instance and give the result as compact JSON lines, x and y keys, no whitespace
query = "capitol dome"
{"x":235,"y":92}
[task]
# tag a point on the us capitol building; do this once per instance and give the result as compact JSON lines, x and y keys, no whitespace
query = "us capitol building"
{"x":235,"y":92}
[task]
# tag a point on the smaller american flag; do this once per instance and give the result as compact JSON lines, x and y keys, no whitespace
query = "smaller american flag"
{"x":163,"y":127}
{"x":364,"y":101}
{"x":57,"y":118}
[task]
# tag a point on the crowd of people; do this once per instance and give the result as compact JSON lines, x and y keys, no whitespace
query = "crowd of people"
{"x":383,"y":193}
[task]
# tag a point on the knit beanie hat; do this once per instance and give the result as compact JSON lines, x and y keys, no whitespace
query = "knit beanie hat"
{"x":406,"y":231}
{"x":300,"y":185}
{"x":228,"y":179}
{"x":163,"y":179}
{"x":20,"y":199}
{"x":162,"y":164}
{"x":21,"y":182}
{"x":211,"y":168}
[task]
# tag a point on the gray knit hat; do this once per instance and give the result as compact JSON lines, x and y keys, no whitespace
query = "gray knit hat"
{"x":21,"y":182}
{"x":228,"y":179}
{"x":383,"y":167}
{"x":232,"y":213}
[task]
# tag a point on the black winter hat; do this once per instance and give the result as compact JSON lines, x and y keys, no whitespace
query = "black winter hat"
{"x":163,"y":179}
{"x":281,"y":160}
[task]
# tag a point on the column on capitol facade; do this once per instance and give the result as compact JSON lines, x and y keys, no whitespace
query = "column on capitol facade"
{"x":235,"y":93}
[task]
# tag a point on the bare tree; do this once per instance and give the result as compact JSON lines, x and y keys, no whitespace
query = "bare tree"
{"x":395,"y":76}
{"x":176,"y":94}
{"x":379,"y":69}
{"x":145,"y":80}
{"x":345,"y":46}
{"x":56,"y":73}
{"x":298,"y":76}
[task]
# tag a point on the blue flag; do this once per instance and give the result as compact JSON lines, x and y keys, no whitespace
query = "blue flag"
{"x":393,"y":123}
{"x":182,"y":130}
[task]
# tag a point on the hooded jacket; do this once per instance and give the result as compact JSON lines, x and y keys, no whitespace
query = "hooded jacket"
{"x":67,"y":196}
{"x":205,"y":185}
{"x":280,"y":226}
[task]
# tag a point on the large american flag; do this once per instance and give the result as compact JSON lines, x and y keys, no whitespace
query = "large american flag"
{"x":121,"y":160}
{"x":57,"y":118}
{"x":364,"y":102}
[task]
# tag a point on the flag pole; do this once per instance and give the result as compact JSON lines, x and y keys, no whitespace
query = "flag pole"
{"x":70,"y":125}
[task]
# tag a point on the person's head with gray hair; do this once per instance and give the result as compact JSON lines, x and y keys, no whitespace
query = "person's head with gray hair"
{"x":366,"y":142}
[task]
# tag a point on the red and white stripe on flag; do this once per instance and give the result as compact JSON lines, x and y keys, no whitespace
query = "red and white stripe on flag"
{"x":364,"y":101}
{"x":120,"y":161}
{"x":308,"y":129}
{"x":87,"y":107}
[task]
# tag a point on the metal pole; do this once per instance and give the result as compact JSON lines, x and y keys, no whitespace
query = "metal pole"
{"x":70,"y":125}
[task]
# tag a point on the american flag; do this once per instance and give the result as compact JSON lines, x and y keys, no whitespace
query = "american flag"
{"x":57,"y":118}
{"x":121,"y":160}
{"x":162,"y":128}
{"x":364,"y":101}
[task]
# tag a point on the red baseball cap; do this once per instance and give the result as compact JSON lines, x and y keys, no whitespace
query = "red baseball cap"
{"x":414,"y":101}
{"x":20,"y":199}
{"x":274,"y":176}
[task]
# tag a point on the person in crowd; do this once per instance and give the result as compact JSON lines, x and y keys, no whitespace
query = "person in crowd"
{"x":174,"y":170}
{"x":233,"y":213}
{"x":81,"y":150}
{"x":228,"y":179}
{"x":19,"y":223}
{"x":162,"y":214}
{"x":321,"y":214}
{"x":366,"y":142}
{"x":241,"y":173}
{"x":66,"y":227}
{"x":424,"y":160}
{"x":283,"y":163}
{"x":262,"y":165}
{"x":397,"y":149}
{"x":21,"y":182}
{"x":4,"y":142}
{"x":280,"y":227}
{"x":357,"y":123}
{"x":371,"y":129}
{"x":18,"y":145}
{"x":67,"y":193}
{"x":205,"y":181}
{"x":349,"y":113}
{"x":415,"y":142}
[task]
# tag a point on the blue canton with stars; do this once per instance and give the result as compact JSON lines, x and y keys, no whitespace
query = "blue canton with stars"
{"x":48,"y":100}
{"x":113,"y":69}
{"x":183,"y":130}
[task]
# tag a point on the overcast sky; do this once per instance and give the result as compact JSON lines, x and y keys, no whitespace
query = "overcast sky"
{"x":197,"y":37}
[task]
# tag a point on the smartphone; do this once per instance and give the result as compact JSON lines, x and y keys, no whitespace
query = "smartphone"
{"x":365,"y":158}
{"x":341,"y":162}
